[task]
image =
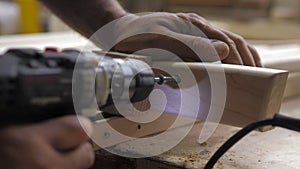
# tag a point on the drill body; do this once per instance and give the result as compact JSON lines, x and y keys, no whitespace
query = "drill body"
{"x":36,"y":86}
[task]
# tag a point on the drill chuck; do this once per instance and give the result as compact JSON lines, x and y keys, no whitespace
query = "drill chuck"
{"x":130,"y":80}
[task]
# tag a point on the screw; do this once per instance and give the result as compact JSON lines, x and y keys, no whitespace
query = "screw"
{"x":164,"y":79}
{"x":106,"y":135}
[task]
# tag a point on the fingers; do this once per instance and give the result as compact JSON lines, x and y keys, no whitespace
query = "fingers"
{"x":256,"y":56}
{"x":79,"y":158}
{"x":82,"y":157}
{"x":39,"y":145}
{"x":242,"y":48}
{"x":66,"y":132}
{"x":206,"y":50}
{"x":234,"y":56}
{"x":181,"y":45}
{"x":221,"y":48}
{"x":66,"y":139}
{"x":240,"y":51}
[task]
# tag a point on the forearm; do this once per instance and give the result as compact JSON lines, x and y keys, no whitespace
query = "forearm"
{"x":85,"y":16}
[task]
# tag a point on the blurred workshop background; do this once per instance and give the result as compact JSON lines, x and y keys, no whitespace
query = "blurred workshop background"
{"x":254,"y":19}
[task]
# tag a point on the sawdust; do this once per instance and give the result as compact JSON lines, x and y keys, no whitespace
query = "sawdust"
{"x":191,"y":160}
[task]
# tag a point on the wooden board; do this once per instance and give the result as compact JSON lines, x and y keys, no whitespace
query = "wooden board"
{"x":106,"y":137}
{"x":252,"y":93}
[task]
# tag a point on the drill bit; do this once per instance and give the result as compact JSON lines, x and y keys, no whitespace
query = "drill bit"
{"x":164,"y":79}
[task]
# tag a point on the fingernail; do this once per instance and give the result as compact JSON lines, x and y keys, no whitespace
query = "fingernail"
{"x":221,"y":48}
{"x":86,"y":125}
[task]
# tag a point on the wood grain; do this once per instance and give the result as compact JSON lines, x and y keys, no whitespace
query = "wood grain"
{"x":107,"y":138}
{"x":252,"y":93}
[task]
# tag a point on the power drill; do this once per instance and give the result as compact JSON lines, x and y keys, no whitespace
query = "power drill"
{"x":37,"y":85}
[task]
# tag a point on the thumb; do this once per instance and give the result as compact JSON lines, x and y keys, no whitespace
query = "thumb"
{"x":82,"y":157}
{"x":66,"y":132}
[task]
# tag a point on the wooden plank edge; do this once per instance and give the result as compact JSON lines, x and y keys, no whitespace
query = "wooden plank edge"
{"x":103,"y":128}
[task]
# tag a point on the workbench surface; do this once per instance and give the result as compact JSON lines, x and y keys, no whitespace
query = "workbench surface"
{"x":277,"y":149}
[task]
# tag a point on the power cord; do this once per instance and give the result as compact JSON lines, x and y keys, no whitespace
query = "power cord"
{"x":277,"y":121}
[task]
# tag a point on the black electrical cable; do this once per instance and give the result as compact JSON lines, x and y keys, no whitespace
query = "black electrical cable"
{"x":278,"y":120}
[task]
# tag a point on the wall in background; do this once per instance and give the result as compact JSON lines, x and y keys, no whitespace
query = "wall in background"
{"x":27,"y":16}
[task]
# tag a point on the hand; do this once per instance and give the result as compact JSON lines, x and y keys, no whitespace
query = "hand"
{"x":240,"y":51}
{"x":59,"y":143}
{"x":137,"y":32}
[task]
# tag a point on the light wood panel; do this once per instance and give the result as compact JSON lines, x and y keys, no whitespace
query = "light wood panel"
{"x":105,"y":136}
{"x":293,"y":85}
{"x":252,"y":93}
{"x":283,"y":55}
